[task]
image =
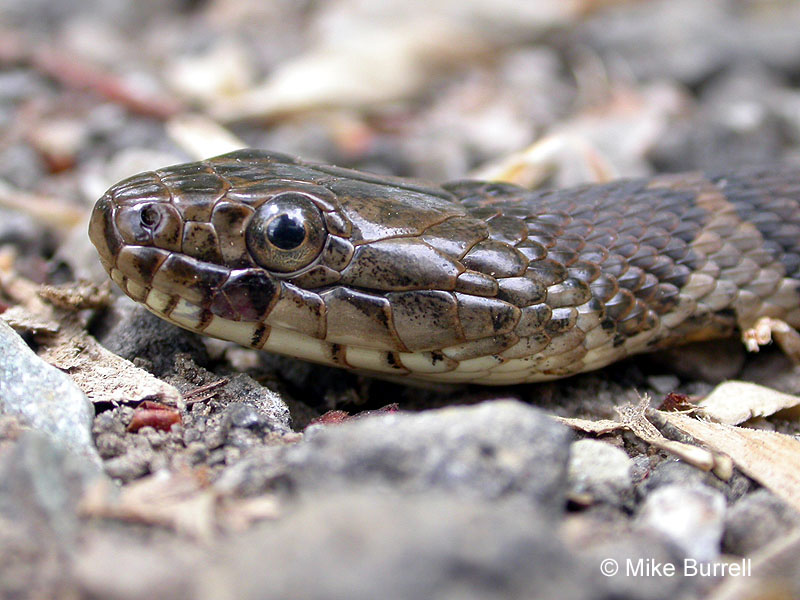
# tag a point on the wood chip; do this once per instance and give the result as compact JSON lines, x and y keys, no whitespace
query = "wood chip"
{"x":201,"y":136}
{"x":49,"y":210}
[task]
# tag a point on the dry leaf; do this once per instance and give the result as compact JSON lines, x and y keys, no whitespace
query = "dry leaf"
{"x":596,"y":145}
{"x":632,"y":417}
{"x":771,"y":458}
{"x":735,"y":402}
{"x":201,"y":136}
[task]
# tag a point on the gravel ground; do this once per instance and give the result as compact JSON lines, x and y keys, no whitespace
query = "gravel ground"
{"x":211,"y":471}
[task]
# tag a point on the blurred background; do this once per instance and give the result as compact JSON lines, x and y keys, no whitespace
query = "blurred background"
{"x":93,"y":90}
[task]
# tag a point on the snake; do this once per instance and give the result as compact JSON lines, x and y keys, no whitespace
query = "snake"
{"x":467,"y":281}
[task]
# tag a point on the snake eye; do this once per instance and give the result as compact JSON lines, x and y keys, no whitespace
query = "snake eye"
{"x":286,"y":233}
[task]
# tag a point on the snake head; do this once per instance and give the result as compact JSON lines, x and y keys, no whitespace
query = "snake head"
{"x":265,"y":250}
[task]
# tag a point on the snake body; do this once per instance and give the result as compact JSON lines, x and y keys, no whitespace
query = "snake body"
{"x":464,"y":282}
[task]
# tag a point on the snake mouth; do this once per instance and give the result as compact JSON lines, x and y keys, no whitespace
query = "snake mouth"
{"x":168,"y":282}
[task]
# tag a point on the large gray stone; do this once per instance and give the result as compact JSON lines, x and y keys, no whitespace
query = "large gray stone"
{"x":370,"y":545}
{"x":42,"y":396}
{"x":492,"y":450}
{"x":41,"y":483}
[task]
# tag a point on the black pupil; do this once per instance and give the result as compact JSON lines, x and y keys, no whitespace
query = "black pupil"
{"x":286,"y":232}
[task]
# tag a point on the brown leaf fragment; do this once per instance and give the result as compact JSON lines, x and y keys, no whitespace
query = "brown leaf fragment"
{"x":104,"y":376}
{"x":24,"y":321}
{"x":154,"y":414}
{"x":598,"y":427}
{"x":771,"y":458}
{"x":178,"y":501}
{"x":334,"y":417}
{"x":675,"y":402}
{"x":49,"y":210}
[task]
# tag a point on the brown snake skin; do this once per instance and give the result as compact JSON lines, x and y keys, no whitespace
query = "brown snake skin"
{"x":468,"y":281}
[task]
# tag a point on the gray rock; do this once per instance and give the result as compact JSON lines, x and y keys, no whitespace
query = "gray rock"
{"x":244,"y":415}
{"x":600,"y":470}
{"x":739,"y":122}
{"x":25,"y":233}
{"x":368,"y":545}
{"x":21,"y":166}
{"x":44,"y":397}
{"x":678,"y":472}
{"x":17,"y":85}
{"x":41,"y":483}
{"x":756,"y":520}
{"x":492,"y":450}
{"x":663,"y":384}
{"x":260,"y":407}
{"x":712,"y":361}
{"x":692,"y":517}
{"x":103,"y":567}
{"x":132,"y":332}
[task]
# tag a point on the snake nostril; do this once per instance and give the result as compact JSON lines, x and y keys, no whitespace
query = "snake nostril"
{"x":150,"y":216}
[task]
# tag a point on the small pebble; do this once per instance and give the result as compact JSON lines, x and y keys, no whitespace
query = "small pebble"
{"x":600,"y":470}
{"x":663,"y":384}
{"x":693,"y":517}
{"x":196,"y":452}
{"x":129,"y":466}
{"x":672,"y":471}
{"x":243,"y":415}
{"x":110,"y":445}
{"x":755,"y":520}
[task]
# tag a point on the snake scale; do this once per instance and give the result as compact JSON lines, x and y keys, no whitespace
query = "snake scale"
{"x":464,"y":282}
